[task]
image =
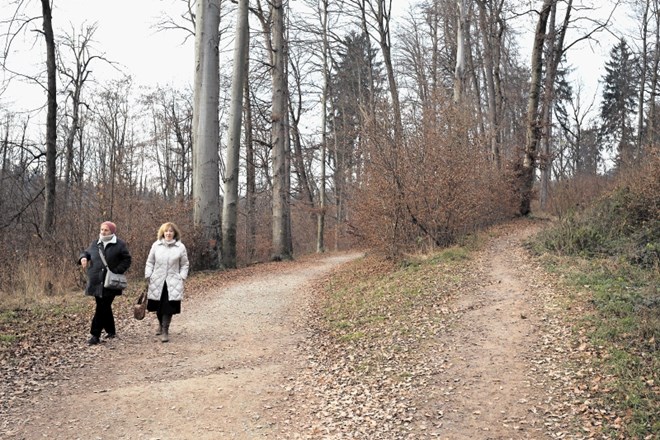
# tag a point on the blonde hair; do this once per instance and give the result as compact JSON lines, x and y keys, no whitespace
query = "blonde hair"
{"x":164,"y":227}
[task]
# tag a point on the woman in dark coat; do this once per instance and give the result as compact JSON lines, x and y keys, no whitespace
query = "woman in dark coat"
{"x":119,"y":260}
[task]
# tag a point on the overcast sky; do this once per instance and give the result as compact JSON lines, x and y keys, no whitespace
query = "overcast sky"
{"x":126,"y":35}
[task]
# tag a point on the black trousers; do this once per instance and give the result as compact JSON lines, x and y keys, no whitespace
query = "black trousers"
{"x":103,"y":318}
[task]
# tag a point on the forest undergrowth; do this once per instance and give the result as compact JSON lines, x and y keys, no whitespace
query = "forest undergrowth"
{"x":609,"y":252}
{"x":606,"y":254}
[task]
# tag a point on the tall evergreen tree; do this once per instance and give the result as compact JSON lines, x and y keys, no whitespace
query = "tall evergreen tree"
{"x":350,"y":88}
{"x":355,"y":85}
{"x":619,"y":102}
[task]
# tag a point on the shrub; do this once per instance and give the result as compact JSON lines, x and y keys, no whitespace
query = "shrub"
{"x":624,"y":222}
{"x":431,"y":190}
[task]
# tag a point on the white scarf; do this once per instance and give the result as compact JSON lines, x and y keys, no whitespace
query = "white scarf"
{"x":106,"y":239}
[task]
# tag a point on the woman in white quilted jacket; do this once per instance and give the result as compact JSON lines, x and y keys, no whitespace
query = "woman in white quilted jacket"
{"x":166,"y":270}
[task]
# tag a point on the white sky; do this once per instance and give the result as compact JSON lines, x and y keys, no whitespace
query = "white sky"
{"x":126,"y":35}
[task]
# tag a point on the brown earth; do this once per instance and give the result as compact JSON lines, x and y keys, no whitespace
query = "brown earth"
{"x":241,"y":365}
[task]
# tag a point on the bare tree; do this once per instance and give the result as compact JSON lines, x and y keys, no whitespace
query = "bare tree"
{"x":573,"y":121}
{"x":230,"y":201}
{"x":647,"y":13}
{"x":554,"y":52}
{"x":250,"y":169}
{"x":112,"y":114}
{"x":377,"y":14}
{"x":206,"y":180}
{"x":491,"y":23}
{"x":533,"y":133}
{"x":297,"y":97}
{"x":48,"y":221}
{"x":652,"y":127}
{"x":281,"y":226}
{"x":320,"y":220}
{"x":461,"y":38}
{"x":170,"y":141}
{"x":75,"y":75}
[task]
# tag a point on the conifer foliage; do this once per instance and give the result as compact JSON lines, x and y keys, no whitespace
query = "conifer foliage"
{"x":619,"y":102}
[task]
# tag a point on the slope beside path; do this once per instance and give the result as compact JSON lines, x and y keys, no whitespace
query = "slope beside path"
{"x":491,"y":362}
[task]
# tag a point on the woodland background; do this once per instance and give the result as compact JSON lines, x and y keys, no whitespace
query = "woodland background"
{"x":321,"y":129}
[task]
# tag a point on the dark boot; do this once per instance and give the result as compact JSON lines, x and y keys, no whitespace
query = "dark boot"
{"x":160,"y":325}
{"x":166,"y":328}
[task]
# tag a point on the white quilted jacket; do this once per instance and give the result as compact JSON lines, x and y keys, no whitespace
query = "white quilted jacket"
{"x":166,"y":262}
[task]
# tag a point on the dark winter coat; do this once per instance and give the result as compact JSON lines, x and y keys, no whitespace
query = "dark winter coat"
{"x":118,"y":258}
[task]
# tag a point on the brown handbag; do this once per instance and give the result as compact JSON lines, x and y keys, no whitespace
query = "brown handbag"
{"x":140,"y":307}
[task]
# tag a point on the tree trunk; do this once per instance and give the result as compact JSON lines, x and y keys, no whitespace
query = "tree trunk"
{"x":281,"y":237}
{"x":383,"y":25}
{"x":365,"y":31}
{"x":320,"y":216}
{"x":4,"y":162}
{"x":491,"y":33}
{"x":459,"y":71}
{"x":250,"y":170}
{"x":642,"y":79}
{"x":652,"y":136}
{"x":73,"y":129}
{"x":206,"y":181}
{"x":295,"y":114}
{"x":555,"y":51}
{"x":230,"y":202}
{"x":533,"y":135}
{"x":48,"y":220}
{"x":546,"y":107}
{"x":287,"y":157}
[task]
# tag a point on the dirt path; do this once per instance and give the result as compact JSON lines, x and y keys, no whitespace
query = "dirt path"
{"x":495,"y":392}
{"x":231,"y":366}
{"x":223,"y":369}
{"x":490,"y":368}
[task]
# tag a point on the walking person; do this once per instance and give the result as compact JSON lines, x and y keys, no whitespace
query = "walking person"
{"x":166,"y":270}
{"x":118,"y":260}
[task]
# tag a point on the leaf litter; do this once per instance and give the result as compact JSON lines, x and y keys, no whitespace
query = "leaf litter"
{"x":476,"y":348}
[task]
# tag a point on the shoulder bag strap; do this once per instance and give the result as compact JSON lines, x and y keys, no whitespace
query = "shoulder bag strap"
{"x":105,"y":263}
